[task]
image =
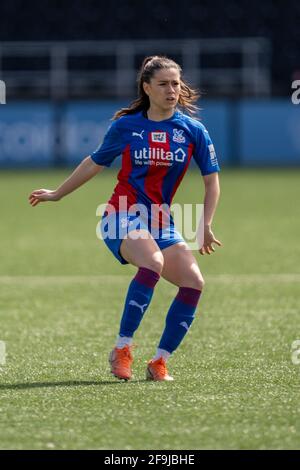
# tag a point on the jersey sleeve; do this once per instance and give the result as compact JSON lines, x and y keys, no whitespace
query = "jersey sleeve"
{"x":204,"y":153}
{"x":110,"y":148}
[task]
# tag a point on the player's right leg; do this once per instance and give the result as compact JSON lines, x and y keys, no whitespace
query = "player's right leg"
{"x":140,"y":250}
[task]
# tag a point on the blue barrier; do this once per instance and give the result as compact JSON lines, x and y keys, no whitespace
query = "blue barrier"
{"x":27,"y":135}
{"x":269,"y":133}
{"x":216,"y":116}
{"x":84,"y":126}
{"x":244,"y":132}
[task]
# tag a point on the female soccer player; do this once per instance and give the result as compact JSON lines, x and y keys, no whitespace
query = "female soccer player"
{"x":157,"y":142}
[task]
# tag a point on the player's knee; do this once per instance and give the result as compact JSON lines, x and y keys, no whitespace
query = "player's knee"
{"x":195,"y":282}
{"x":156,"y":262}
{"x":201,"y":283}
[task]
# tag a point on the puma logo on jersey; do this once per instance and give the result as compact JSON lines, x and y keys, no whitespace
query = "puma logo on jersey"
{"x":136,"y":134}
{"x":135,"y":304}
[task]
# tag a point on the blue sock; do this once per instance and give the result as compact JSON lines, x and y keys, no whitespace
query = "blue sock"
{"x":138,"y":299}
{"x":179,"y":318}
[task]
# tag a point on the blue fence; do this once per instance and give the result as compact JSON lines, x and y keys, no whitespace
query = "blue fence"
{"x":26,"y":135}
{"x":247,"y":133}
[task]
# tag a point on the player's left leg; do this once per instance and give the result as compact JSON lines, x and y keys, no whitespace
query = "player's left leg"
{"x":180,"y":268}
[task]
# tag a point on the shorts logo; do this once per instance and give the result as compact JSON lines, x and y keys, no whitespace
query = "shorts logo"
{"x":178,"y":136}
{"x":126,"y":222}
{"x":160,"y":137}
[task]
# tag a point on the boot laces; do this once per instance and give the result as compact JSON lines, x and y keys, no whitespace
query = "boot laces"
{"x":123,"y":357}
{"x":161,"y":367}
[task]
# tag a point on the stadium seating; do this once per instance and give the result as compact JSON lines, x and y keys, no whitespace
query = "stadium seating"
{"x":93,"y":20}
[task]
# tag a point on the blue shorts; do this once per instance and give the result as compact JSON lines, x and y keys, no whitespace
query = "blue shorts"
{"x":115,"y":227}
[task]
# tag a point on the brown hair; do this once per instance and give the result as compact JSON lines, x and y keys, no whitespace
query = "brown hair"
{"x":187,"y":97}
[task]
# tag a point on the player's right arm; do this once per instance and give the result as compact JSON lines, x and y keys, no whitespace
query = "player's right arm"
{"x":83,"y":173}
{"x":89,"y":167}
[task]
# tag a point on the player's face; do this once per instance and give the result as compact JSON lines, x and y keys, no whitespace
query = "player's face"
{"x":164,"y":89}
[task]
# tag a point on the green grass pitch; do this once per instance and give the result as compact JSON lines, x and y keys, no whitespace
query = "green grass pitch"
{"x":61,"y":296}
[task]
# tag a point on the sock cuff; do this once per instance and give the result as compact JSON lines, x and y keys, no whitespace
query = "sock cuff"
{"x":147,"y":277}
{"x":189,"y":296}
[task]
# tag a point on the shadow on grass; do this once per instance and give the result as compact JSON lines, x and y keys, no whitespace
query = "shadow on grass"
{"x":71,"y":383}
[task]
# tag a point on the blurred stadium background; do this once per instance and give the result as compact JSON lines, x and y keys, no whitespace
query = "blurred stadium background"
{"x":67,"y":66}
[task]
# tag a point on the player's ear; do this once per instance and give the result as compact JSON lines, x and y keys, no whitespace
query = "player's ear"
{"x":146,"y":88}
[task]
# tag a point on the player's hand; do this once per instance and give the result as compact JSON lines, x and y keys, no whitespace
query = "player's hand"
{"x":209,"y":239}
{"x":42,"y":195}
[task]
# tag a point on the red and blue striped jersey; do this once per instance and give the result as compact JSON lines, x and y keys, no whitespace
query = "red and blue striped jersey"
{"x":155,"y":156}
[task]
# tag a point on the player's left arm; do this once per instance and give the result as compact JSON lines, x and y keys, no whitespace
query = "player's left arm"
{"x":211,"y":198}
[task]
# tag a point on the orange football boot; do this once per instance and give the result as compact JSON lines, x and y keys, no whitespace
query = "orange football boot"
{"x":157,"y":370}
{"x":120,"y":361}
